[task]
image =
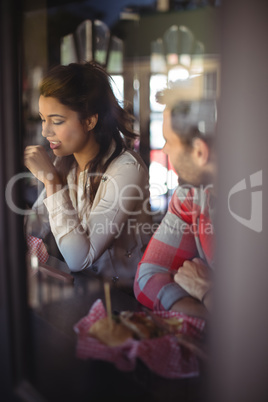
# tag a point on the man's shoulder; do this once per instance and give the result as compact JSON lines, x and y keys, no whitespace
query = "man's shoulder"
{"x":184,"y":200}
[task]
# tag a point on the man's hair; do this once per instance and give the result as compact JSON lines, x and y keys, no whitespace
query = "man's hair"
{"x":190,"y":118}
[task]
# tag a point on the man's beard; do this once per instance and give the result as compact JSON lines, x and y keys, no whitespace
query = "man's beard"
{"x":196,"y":179}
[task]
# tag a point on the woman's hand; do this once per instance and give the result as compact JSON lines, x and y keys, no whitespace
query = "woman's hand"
{"x":195,"y":277}
{"x":38,"y":162}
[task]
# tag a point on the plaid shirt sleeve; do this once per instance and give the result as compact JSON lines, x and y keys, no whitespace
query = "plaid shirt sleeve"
{"x":172,"y":244}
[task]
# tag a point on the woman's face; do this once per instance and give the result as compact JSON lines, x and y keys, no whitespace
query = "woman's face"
{"x":62,"y":128}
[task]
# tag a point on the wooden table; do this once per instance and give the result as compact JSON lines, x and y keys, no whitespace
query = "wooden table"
{"x":60,"y":376}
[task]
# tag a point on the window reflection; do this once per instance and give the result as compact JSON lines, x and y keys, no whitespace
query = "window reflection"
{"x":136,"y":77}
{"x":157,"y":82}
{"x":177,"y":59}
{"x":158,"y":60}
{"x":68,"y":52}
{"x":175,"y":56}
{"x":115,"y":59}
{"x":84,"y":41}
{"x":117,"y":83}
{"x":156,"y":128}
{"x":101,"y":41}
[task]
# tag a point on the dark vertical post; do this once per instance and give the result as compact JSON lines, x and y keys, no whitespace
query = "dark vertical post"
{"x":13,"y":296}
{"x":144,"y":78}
{"x":241,"y":320}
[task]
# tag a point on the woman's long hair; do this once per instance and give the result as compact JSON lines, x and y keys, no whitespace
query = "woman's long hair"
{"x":86,"y":89}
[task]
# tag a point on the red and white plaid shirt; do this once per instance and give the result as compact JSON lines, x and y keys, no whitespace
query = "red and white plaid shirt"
{"x":185,"y":232}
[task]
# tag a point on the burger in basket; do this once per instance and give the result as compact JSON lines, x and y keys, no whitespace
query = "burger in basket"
{"x":116,"y":330}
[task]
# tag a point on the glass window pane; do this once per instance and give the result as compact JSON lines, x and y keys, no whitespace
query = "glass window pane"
{"x":115,"y":61}
{"x":158,"y":60}
{"x":157,"y":140}
{"x":172,"y":179}
{"x":157,"y":83}
{"x":102,"y":36}
{"x":178,"y":73}
{"x":68,"y":50}
{"x":158,"y":181}
{"x":117,"y":83}
{"x":84,"y":41}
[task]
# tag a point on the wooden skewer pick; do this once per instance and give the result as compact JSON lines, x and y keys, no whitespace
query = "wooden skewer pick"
{"x":108,"y":300}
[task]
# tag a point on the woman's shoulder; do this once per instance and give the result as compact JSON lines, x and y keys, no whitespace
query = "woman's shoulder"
{"x":127,"y":157}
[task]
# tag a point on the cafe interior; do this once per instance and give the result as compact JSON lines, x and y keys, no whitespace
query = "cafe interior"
{"x":144,"y":45}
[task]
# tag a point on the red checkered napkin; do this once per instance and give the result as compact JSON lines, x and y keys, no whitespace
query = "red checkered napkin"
{"x":37,"y":247}
{"x":164,"y":356}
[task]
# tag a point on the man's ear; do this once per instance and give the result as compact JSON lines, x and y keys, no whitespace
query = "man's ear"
{"x":200,"y":152}
{"x":91,"y":122}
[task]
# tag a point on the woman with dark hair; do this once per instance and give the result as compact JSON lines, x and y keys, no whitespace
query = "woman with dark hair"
{"x":96,"y":195}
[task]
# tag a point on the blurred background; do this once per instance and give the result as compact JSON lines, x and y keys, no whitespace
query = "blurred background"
{"x":145,"y":45}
